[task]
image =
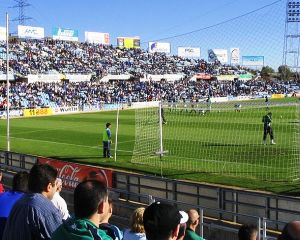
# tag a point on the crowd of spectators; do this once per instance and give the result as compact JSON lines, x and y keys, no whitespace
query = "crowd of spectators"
{"x":54,"y":56}
{"x":44,"y":56}
{"x":94,"y":92}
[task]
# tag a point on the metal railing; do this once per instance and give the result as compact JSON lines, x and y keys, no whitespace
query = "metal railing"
{"x":219,"y":207}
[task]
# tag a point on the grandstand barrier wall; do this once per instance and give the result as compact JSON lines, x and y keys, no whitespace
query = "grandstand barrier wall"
{"x":31,"y":78}
{"x":30,"y":112}
{"x":219,"y":204}
{"x":167,"y":77}
{"x":109,"y":77}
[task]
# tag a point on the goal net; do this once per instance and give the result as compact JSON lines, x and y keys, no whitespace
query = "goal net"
{"x":222,"y":138}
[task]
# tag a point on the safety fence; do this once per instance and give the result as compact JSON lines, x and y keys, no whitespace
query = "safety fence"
{"x":222,"y":210}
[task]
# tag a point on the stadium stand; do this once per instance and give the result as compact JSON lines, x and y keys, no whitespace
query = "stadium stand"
{"x":40,"y":94}
{"x":33,"y":57}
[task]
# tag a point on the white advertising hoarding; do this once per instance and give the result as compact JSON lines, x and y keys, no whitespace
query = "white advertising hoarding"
{"x":189,"y":52}
{"x":253,"y":60}
{"x":235,"y":55}
{"x":31,"y":32}
{"x":97,"y":37}
{"x":159,"y":47}
{"x":218,"y":54}
{"x":2,"y":33}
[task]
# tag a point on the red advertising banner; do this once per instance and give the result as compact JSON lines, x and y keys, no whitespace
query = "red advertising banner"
{"x":73,"y":173}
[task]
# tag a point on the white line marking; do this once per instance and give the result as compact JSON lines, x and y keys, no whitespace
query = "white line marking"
{"x":62,"y":143}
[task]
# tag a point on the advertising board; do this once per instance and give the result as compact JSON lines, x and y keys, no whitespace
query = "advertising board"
{"x":38,"y":112}
{"x":73,"y":173}
{"x":12,"y":113}
{"x":245,"y":77}
{"x":202,"y":76}
{"x":31,"y":32}
{"x":64,"y":110}
{"x":277,"y":96}
{"x":128,"y":42}
{"x":97,"y":37}
{"x":159,"y":47}
{"x":65,"y":34}
{"x":253,"y":60}
{"x":234,"y":55}
{"x":91,"y":108}
{"x":2,"y":33}
{"x":218,"y":55}
{"x":227,"y":77}
{"x":189,"y":52}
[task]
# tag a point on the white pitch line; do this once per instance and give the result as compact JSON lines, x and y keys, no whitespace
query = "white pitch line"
{"x":48,"y":130}
{"x":53,"y":129}
{"x":62,"y":143}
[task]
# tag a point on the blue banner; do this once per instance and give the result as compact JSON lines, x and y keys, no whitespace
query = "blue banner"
{"x":253,"y":60}
{"x":65,"y":34}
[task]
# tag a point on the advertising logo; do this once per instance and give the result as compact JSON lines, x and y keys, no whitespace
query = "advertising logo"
{"x":30,"y":32}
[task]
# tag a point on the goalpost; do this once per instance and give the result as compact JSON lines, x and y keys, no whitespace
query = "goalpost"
{"x":223,"y":138}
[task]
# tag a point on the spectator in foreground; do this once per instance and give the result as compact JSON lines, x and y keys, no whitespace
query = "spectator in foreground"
{"x":291,"y":231}
{"x":59,"y":202}
{"x":1,"y":184}
{"x":34,"y":215}
{"x":162,"y":221}
{"x":137,"y":230}
{"x":192,"y":224}
{"x":90,"y":207}
{"x":111,"y":230}
{"x":182,"y":227}
{"x":248,"y":232}
{"x":8,"y":199}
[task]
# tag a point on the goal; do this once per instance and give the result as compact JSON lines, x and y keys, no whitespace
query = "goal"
{"x":224,"y":138}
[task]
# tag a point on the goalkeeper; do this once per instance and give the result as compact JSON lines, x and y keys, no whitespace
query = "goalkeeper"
{"x":267,"y":120}
{"x":107,"y":141}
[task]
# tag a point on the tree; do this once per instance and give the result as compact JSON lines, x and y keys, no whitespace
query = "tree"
{"x":266,"y":72}
{"x":285,"y":72}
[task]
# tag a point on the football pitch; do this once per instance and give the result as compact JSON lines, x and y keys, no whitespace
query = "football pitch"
{"x":222,"y":146}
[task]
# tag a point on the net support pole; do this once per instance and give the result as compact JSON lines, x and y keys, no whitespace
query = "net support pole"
{"x":117,"y":130}
{"x":7,"y":88}
{"x":161,"y":150}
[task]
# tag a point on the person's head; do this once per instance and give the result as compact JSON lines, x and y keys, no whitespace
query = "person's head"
{"x":247,"y":232}
{"x":162,"y":221}
{"x":136,"y":220}
{"x":193,"y":221}
{"x":58,"y":184}
{"x":270,"y":114}
{"x":42,"y":179}
{"x":109,"y":212}
{"x":97,"y":175}
{"x":291,"y":231}
{"x":91,"y":200}
{"x":108,"y":125}
{"x":20,"y":182}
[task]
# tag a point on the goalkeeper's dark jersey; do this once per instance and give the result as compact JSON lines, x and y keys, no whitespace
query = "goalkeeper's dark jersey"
{"x":267,"y":119}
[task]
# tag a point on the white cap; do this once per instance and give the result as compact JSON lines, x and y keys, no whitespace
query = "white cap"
{"x":184,"y":217}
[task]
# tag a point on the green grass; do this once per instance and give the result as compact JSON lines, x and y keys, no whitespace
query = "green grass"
{"x":220,"y":147}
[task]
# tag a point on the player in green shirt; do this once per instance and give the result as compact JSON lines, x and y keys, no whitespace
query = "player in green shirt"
{"x":267,"y":120}
{"x":106,"y":138}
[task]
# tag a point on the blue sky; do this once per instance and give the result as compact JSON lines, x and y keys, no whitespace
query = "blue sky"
{"x":260,"y":33}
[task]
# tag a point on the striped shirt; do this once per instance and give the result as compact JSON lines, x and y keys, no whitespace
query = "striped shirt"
{"x":33,"y":217}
